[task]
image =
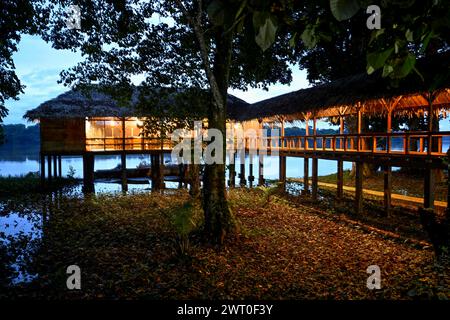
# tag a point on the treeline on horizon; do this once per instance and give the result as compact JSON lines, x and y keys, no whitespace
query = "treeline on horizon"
{"x":20,"y":142}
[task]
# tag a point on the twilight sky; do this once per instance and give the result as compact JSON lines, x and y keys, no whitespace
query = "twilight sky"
{"x":38,"y":66}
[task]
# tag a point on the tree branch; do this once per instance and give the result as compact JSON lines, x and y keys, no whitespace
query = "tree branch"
{"x":196,"y":25}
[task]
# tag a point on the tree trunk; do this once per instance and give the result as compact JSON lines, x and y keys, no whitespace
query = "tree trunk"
{"x":218,"y":217}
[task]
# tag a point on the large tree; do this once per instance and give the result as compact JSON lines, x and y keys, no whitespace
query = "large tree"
{"x":180,"y":44}
{"x":16,"y":17}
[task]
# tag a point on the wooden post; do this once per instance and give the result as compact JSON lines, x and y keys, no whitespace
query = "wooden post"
{"x":242,"y":181}
{"x":261,"y":154}
{"x":55,"y":166}
{"x":359,"y":127}
{"x":260,"y":169}
{"x":305,"y":175}
{"x":49,"y":168}
{"x":430,"y":99}
{"x":232,"y":172}
{"x":282,"y":170}
{"x":155,"y":172}
{"x":428,"y":190}
{"x":59,"y":166}
{"x":340,"y":163}
{"x":251,"y":178}
{"x":340,"y":179}
{"x":314,"y":177}
{"x":389,"y":131}
{"x":387,"y":189}
{"x":88,"y":173}
{"x":123,"y":163}
{"x":42,"y":169}
{"x":161,"y":171}
{"x":359,"y":187}
{"x":306,"y":132}
{"x":314,"y":133}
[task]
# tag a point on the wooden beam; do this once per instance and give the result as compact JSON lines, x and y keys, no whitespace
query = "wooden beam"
{"x":314,"y":178}
{"x":387,"y":170}
{"x":359,"y":187}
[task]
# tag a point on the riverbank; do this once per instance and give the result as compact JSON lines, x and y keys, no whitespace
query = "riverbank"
{"x":135,"y":246}
{"x":31,"y":183}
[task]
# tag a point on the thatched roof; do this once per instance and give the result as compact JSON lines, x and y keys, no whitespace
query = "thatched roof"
{"x":95,"y":103}
{"x":341,"y":96}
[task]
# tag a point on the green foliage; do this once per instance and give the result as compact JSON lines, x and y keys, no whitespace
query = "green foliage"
{"x":187,"y":218}
{"x":266,"y":26}
{"x":344,"y":9}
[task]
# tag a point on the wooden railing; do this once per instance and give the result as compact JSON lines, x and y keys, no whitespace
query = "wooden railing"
{"x":413,"y":143}
{"x":117,"y":144}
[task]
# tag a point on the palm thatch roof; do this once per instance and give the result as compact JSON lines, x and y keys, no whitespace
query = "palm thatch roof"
{"x":98,"y":103}
{"x":372,"y":92}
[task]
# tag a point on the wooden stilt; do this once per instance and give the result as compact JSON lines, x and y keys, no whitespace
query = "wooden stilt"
{"x":251,"y":178}
{"x":340,"y":179}
{"x":55,"y":166}
{"x":49,"y":168}
{"x":88,"y":173}
{"x":428,"y":190}
{"x":161,"y":171}
{"x":242,"y":181}
{"x":314,"y":178}
{"x":232,"y":172}
{"x":305,"y":175}
{"x":42,"y":173}
{"x":359,"y":188}
{"x":282,"y":170}
{"x":123,"y":163}
{"x":387,"y":189}
{"x":261,"y":181}
{"x":59,"y":166}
